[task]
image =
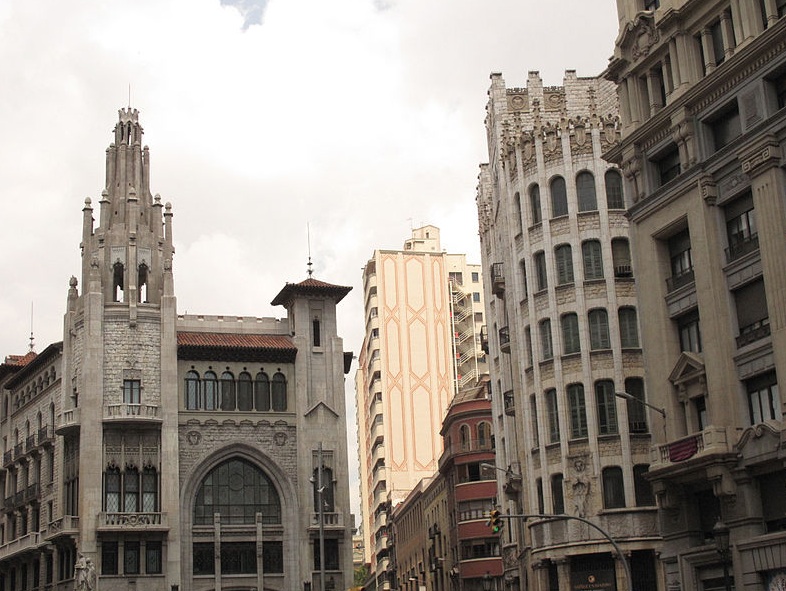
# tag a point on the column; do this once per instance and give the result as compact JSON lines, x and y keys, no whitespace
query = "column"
{"x":736,"y":20}
{"x":728,"y":34}
{"x":217,"y":551}
{"x":260,"y":554}
{"x":709,"y":51}
{"x":761,"y":161}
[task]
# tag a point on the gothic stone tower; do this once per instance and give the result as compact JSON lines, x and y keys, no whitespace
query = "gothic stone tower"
{"x":119,"y":407}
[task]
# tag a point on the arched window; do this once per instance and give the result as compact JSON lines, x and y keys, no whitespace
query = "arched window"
{"x":620,"y":254}
{"x":534,"y":202}
{"x":465,"y":437}
{"x":40,"y":420}
{"x":210,"y":391}
{"x":570,"y":333}
{"x":484,"y":435}
{"x":606,"y":407}
{"x":117,"y":282}
{"x":599,"y":329}
{"x":112,"y":490}
{"x":613,"y":488}
{"x":192,"y":390}
{"x":227,"y":391}
{"x":237,"y":490}
{"x":559,"y":197}
{"x":517,"y":206}
{"x":142,"y":283}
{"x":563,"y":256}
{"x":593,"y":259}
{"x":585,"y":188}
{"x":629,"y":331}
{"x":244,"y":394}
{"x":262,"y":392}
{"x":279,"y":392}
{"x":149,"y":490}
{"x":614,"y":195}
{"x":328,"y":501}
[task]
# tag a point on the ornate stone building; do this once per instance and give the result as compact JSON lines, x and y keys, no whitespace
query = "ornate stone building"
{"x":702,"y":87}
{"x":173,"y":452}
{"x":562,"y":320}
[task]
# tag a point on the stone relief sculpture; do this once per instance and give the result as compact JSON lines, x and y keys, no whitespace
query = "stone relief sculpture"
{"x":84,"y":574}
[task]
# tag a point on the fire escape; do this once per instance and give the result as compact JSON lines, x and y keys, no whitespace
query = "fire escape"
{"x":465,"y":346}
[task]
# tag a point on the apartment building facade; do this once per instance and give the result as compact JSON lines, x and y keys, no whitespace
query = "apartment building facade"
{"x":702,"y":87}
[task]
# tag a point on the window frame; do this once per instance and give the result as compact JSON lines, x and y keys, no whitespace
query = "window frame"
{"x":606,"y":408}
{"x":571,"y":340}
{"x":577,"y":406}
{"x":563,"y":260}
{"x":592,"y":259}
{"x":586,"y":191}
{"x":613,"y":488}
{"x":600,"y":335}
{"x":552,"y":414}
{"x":558,"y":190}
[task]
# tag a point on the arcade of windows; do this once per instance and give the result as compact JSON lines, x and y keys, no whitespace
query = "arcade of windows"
{"x":227,"y":393}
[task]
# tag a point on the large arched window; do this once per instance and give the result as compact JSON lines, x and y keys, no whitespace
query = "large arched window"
{"x":210,"y":390}
{"x":244,"y":394}
{"x":559,"y":197}
{"x":279,"y":392}
{"x":227,"y":391}
{"x":192,"y":390}
{"x":237,"y":490}
{"x":262,"y":392}
{"x":585,"y":188}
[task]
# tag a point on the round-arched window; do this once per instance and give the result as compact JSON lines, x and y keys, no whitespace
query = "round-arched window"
{"x":238,"y":490}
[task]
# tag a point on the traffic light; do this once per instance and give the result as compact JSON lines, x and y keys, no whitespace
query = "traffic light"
{"x":495,"y":521}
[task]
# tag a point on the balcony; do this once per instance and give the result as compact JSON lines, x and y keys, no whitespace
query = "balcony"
{"x":45,"y":435}
{"x":32,"y":492}
{"x":638,"y":522}
{"x":68,"y":525}
{"x":127,"y":412}
{"x":498,"y":279}
{"x":8,"y":458}
{"x":30,"y":443}
{"x":510,"y":403}
{"x":674,"y":282}
{"x":134,"y":521}
{"x":623,"y":271}
{"x":711,"y":441}
{"x":29,"y":541}
{"x":69,"y":421}
{"x":330,"y":519}
{"x":741,"y":247}
{"x":753,"y":332}
{"x":504,"y":339}
{"x":19,"y":451}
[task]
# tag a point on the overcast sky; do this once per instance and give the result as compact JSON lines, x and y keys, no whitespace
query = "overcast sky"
{"x":362,"y":118}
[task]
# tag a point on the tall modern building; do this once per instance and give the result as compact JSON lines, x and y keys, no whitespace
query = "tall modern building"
{"x":563,"y":340}
{"x":423,"y":314}
{"x":702,"y":87}
{"x":161,"y":451}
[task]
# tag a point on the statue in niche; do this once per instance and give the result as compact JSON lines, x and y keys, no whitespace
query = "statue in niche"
{"x":84,"y":574}
{"x":581,"y":487}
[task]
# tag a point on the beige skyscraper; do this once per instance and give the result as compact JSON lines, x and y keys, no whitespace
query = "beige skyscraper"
{"x":423,"y":313}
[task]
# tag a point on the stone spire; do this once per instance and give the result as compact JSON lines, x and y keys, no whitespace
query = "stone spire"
{"x":132,"y":244}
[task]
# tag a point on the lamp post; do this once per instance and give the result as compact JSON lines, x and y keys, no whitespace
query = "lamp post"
{"x":721,"y":534}
{"x":660,"y":410}
{"x":487,"y":580}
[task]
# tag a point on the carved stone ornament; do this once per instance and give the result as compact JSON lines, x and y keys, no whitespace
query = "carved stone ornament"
{"x":280,"y":438}
{"x":194,"y":437}
{"x":517,"y":102}
{"x":709,"y":189}
{"x":646,"y":35}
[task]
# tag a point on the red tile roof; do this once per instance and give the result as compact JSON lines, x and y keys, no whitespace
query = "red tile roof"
{"x":234,"y":341}
{"x":308,"y":287}
{"x":21,"y":360}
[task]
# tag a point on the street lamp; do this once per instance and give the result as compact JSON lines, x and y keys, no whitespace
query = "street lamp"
{"x":626,"y":396}
{"x":721,"y":534}
{"x":487,"y":581}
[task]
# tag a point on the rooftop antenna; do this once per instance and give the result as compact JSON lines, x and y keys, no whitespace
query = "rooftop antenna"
{"x":32,"y":340}
{"x":308,"y":235}
{"x":129,"y":96}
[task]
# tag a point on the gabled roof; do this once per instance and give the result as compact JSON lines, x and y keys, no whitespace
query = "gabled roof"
{"x":689,"y":366}
{"x":24,"y":365}
{"x":206,"y":346}
{"x":310,"y":287}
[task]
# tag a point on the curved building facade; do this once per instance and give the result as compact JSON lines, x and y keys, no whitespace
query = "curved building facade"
{"x":563,"y":326}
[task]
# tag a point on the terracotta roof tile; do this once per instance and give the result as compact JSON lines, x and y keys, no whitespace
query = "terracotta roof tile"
{"x":310,"y":286}
{"x":21,"y":360}
{"x":234,"y":341}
